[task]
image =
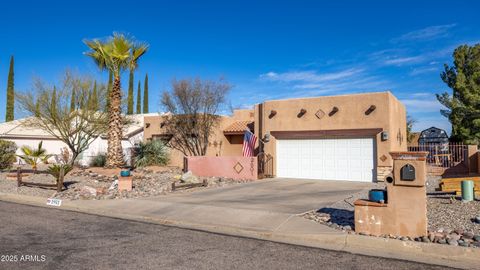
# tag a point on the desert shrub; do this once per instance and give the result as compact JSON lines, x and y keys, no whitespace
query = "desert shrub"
{"x":55,"y":169}
{"x":99,"y":160}
{"x":7,"y":154}
{"x":65,"y":155}
{"x":33,"y":156}
{"x":151,"y":153}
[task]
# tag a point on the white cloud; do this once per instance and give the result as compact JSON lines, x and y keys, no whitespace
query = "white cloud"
{"x":310,"y":76}
{"x":311,"y":82}
{"x":403,"y":60}
{"x":421,"y":94}
{"x":425,"y":103}
{"x":422,"y":70}
{"x":428,"y":33}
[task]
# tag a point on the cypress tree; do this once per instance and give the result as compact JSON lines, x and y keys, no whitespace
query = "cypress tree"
{"x":72,"y":101}
{"x":53,"y":108}
{"x":139,"y":99}
{"x":93,"y":100}
{"x":145,"y":94}
{"x":130,"y":94}
{"x":109,"y":89}
{"x":9,"y":114}
{"x":37,"y":107}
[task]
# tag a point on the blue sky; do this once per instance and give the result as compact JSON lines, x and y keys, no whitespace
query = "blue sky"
{"x":266,"y":49}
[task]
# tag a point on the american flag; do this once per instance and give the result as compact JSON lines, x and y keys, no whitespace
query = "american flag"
{"x":249,"y":140}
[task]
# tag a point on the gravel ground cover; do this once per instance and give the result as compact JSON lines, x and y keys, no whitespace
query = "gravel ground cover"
{"x":95,"y":183}
{"x":450,"y":221}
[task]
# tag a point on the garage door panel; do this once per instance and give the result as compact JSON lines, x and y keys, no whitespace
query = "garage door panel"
{"x":329,"y":159}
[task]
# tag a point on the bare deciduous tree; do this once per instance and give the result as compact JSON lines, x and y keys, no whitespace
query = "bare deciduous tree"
{"x":51,"y":110}
{"x":410,"y":134}
{"x":194,"y":106}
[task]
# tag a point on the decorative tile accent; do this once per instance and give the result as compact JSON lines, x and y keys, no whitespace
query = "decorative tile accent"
{"x":238,"y":167}
{"x":320,"y":114}
{"x":383,"y":158}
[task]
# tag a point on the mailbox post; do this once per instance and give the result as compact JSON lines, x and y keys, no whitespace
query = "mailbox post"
{"x":405,"y":213}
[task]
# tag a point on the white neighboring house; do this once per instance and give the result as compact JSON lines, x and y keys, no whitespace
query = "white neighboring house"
{"x":23,"y":135}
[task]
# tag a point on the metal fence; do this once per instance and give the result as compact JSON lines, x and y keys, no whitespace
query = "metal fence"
{"x":265,"y":165}
{"x":446,"y":155}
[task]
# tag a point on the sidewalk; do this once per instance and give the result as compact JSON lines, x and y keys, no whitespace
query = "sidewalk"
{"x":266,"y":225}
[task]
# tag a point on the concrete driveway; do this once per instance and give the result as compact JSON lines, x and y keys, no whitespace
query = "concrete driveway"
{"x":279,"y":195}
{"x":263,"y":206}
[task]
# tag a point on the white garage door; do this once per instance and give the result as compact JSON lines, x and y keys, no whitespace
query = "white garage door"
{"x":328,"y":159}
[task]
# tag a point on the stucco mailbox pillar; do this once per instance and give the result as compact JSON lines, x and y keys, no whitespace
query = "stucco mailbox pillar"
{"x":405,"y":211}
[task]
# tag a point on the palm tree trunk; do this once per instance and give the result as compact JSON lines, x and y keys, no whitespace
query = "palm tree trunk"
{"x":115,"y":124}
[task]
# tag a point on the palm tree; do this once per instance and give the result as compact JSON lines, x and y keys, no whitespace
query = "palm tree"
{"x":33,"y":156}
{"x":116,"y":54}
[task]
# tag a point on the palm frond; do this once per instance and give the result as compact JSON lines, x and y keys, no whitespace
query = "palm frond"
{"x":116,"y":53}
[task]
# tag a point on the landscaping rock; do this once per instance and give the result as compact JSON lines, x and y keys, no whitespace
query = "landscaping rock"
{"x":189,"y":178}
{"x":454,"y":236}
{"x":442,"y":241}
{"x":437,"y":239}
{"x":444,"y":213}
{"x":87,"y":191}
{"x":452,"y":242}
{"x":467,"y":235}
{"x":100,"y":184}
{"x":431,"y":237}
{"x":476,"y":238}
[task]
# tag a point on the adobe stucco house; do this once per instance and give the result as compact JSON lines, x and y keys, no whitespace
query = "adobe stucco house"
{"x":345,"y":137}
{"x":226,"y":140}
{"x":22,"y":135}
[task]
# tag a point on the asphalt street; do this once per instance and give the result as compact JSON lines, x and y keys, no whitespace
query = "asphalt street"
{"x":42,"y":238}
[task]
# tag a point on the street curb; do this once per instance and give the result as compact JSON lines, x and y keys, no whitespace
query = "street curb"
{"x":445,"y":255}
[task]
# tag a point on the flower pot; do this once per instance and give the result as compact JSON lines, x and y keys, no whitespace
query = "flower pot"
{"x":125,"y":173}
{"x":377,"y":195}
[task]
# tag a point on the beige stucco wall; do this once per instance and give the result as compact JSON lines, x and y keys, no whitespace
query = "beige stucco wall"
{"x":219,"y":144}
{"x":389,"y":116}
{"x":396,"y":216}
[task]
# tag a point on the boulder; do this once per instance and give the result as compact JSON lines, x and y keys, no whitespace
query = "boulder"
{"x":468,"y":235}
{"x":101,"y":190}
{"x":88,"y":191}
{"x":189,"y":178}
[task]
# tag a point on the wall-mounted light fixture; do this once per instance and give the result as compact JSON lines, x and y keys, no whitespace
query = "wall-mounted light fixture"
{"x":266,"y":138}
{"x":384,"y":135}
